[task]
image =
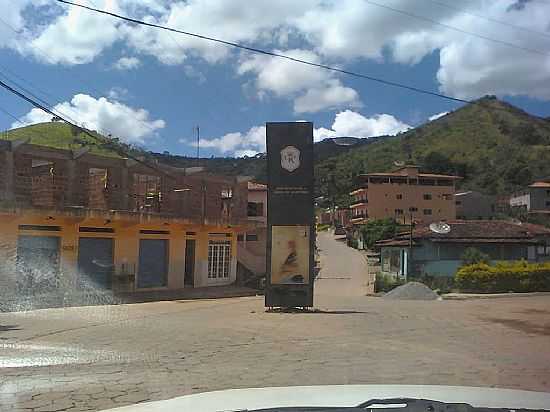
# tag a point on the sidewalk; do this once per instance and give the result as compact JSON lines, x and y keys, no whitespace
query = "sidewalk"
{"x":467,"y":296}
{"x":60,"y":299}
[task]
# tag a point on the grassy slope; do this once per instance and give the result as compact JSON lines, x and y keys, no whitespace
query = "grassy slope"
{"x":496,"y":147}
{"x":55,"y":134}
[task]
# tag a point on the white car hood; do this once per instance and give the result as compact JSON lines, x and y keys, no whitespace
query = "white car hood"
{"x":340,"y":395}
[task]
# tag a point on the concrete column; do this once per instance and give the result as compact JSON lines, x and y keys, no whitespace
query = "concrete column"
{"x":176,"y":261}
{"x":201,"y":258}
{"x":70,"y":170}
{"x":124,"y":184}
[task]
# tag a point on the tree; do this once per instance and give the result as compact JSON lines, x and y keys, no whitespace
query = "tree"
{"x":473,"y":255}
{"x":376,"y":230}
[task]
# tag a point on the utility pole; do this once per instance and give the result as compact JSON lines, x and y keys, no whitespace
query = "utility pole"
{"x":410,"y":265}
{"x":198,"y":144}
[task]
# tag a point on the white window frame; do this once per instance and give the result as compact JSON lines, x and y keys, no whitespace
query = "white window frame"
{"x":219,"y":259}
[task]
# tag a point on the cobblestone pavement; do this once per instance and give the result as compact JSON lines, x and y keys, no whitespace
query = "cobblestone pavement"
{"x":93,"y":358}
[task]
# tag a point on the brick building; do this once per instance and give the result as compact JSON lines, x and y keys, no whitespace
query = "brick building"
{"x":404,"y":194}
{"x":72,"y":218}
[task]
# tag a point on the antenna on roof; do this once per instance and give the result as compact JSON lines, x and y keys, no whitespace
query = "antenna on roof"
{"x":440,"y":227}
{"x":399,"y":163}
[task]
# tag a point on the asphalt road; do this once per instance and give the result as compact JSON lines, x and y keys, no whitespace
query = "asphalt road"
{"x":92,"y":358}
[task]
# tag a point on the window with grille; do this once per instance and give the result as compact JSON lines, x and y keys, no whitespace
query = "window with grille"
{"x":219,"y":259}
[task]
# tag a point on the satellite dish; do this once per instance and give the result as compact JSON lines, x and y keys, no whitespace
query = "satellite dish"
{"x":440,"y":227}
{"x":399,"y":163}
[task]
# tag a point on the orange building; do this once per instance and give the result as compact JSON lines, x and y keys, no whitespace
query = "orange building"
{"x":404,"y":194}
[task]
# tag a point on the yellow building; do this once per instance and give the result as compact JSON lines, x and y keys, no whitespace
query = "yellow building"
{"x":72,"y":219}
{"x":404,"y":194}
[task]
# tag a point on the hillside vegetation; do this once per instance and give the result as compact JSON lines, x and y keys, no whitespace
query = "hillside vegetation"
{"x":494,"y":146}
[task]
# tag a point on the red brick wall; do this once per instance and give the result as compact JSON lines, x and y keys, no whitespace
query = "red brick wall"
{"x":97,"y":183}
{"x":22,"y":165}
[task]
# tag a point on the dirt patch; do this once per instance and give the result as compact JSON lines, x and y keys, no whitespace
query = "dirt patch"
{"x":522,"y":326}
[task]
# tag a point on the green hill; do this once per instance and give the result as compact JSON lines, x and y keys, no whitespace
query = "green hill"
{"x":495,"y":146}
{"x":62,"y":136}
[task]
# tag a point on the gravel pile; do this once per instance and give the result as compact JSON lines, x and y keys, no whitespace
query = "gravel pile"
{"x":412,"y":291}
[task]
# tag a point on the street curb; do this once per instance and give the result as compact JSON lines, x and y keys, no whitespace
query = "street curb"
{"x":470,"y":296}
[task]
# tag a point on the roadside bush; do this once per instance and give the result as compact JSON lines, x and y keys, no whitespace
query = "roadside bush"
{"x":385,"y":283}
{"x":439,"y":284}
{"x":473,"y":255}
{"x":517,"y":276}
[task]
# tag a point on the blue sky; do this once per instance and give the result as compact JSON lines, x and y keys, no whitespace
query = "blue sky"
{"x":151,"y":88}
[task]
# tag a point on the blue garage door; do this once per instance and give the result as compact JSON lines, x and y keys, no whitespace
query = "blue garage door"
{"x":153,"y":263}
{"x":37,"y":263}
{"x":95,"y":262}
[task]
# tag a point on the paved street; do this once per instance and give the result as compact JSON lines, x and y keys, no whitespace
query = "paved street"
{"x":91,"y":358}
{"x":344,"y":269}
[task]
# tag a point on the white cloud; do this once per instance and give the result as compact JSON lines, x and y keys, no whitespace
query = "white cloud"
{"x":346,"y":124}
{"x":118,"y":93}
{"x":75,"y":37}
{"x":235,"y":21}
{"x":332,"y":96}
{"x":236,"y":143}
{"x":312,"y":89}
{"x":127,"y":63}
{"x":129,"y":124}
{"x":437,"y":116}
{"x":352,"y":124}
{"x":468,"y":66}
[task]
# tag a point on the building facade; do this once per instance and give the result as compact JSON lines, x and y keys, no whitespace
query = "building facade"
{"x":437,"y":254}
{"x":533,"y":199}
{"x":71,"y":219}
{"x":473,"y":205}
{"x":252,"y":243}
{"x":404,"y":195}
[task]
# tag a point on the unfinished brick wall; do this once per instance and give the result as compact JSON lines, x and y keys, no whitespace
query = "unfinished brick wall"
{"x":214,"y":200}
{"x":240,"y":201}
{"x":116,"y":196}
{"x":97,"y":189}
{"x":3,"y":177}
{"x":22,"y":188}
{"x":189,"y":203}
{"x":48,"y":185}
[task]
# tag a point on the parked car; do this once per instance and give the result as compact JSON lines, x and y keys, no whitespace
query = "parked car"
{"x":340,"y":231}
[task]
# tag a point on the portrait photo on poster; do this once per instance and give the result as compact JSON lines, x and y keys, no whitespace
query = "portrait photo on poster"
{"x":290,"y":255}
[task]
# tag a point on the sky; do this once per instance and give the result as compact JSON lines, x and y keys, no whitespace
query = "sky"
{"x":153,"y":88}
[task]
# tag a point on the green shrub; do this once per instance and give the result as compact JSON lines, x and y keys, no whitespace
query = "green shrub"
{"x":385,"y":283}
{"x":354,"y":243}
{"x":439,"y":284}
{"x":473,"y":255}
{"x":517,"y":276}
{"x":376,"y":230}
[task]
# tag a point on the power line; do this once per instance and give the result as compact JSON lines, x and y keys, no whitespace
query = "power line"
{"x":447,"y":26}
{"x":47,"y":104}
{"x":87,"y":86}
{"x":272,"y":54}
{"x":104,"y":142}
{"x":10,"y":115}
{"x":492,"y":20}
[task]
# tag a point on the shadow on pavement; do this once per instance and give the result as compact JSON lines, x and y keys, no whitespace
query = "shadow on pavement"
{"x":313,"y":311}
{"x":8,"y":328}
